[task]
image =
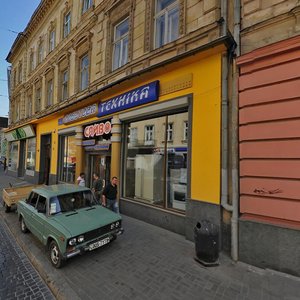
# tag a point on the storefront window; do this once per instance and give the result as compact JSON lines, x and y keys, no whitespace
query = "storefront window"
{"x":13,"y":156}
{"x":31,"y":152}
{"x":156,"y":172}
{"x":67,"y":158}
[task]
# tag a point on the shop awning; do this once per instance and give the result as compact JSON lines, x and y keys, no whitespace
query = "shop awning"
{"x":20,"y":133}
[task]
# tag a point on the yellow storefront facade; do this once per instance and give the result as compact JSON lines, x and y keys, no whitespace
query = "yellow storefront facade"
{"x":166,"y":152}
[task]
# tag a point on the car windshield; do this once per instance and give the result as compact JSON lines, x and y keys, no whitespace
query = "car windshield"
{"x":71,"y":202}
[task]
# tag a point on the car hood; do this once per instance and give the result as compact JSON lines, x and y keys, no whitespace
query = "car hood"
{"x":85,"y":219}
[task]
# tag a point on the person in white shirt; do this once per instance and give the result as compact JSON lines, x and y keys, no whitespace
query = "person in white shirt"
{"x":81,"y":179}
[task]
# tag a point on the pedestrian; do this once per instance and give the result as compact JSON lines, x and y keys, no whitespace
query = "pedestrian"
{"x":81,"y":179}
{"x":97,"y":186}
{"x":109,"y":195}
{"x":5,"y":165}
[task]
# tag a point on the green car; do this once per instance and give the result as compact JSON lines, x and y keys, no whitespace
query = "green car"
{"x":68,"y":220}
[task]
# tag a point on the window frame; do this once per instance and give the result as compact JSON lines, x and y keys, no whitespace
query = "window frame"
{"x":52,"y":40}
{"x":38,"y":99}
{"x":86,"y":5}
{"x":149,"y":132}
{"x":64,"y":85}
{"x":84,"y":70}
{"x":40,"y":52}
{"x":67,"y":24}
{"x":119,"y":63}
{"x":49,"y":93}
{"x":170,"y":132}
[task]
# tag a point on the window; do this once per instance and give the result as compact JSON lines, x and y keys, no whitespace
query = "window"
{"x":166,"y":22}
{"x":20,"y":72}
{"x":185,"y":130}
{"x":13,"y":156}
{"x":41,"y":204}
{"x":67,"y":158}
{"x":156,"y":173}
{"x":17,"y":110}
{"x":40,"y":53}
{"x":31,"y":152}
{"x":149,"y":134}
{"x":32,"y":199}
{"x":15,"y":78}
{"x":86,"y":4}
{"x":170,"y":132}
{"x":51,"y":40}
{"x":133,"y":136}
{"x":29,"y":106}
{"x":38,"y":96}
{"x":49,"y":93}
{"x":84,"y":72}
{"x":120,"y":44}
{"x":64,"y":85}
{"x":67,"y":24}
{"x":31,"y":62}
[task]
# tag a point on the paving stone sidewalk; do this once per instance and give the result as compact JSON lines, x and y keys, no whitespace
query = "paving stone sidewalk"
{"x":18,"y":278}
{"x":148,"y":262}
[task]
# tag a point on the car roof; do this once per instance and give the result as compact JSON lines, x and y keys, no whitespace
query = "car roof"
{"x":49,"y":191}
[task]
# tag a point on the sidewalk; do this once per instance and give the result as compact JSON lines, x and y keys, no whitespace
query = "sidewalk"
{"x":148,"y":262}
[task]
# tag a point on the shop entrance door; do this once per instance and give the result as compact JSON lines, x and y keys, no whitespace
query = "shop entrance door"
{"x":45,"y":159}
{"x":100,"y":164}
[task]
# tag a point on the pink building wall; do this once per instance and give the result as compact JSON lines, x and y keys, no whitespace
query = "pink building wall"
{"x":269,"y":133}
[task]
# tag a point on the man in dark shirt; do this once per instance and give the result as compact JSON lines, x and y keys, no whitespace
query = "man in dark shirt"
{"x":97,"y":186}
{"x":109,"y":195}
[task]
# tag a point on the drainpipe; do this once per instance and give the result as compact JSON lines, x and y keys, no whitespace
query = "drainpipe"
{"x":233,"y":208}
{"x":234,"y":135}
{"x":224,"y":163}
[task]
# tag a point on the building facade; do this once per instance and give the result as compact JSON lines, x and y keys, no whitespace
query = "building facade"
{"x":135,"y":89}
{"x":269,"y":134}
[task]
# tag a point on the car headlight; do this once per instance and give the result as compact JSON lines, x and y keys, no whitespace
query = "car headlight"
{"x":112,"y":226}
{"x":80,"y":239}
{"x":117,"y":224}
{"x":72,"y":242}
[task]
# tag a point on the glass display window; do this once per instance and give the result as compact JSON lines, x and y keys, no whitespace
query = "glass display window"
{"x":155,"y":171}
{"x":31,"y":154}
{"x":67,"y":158}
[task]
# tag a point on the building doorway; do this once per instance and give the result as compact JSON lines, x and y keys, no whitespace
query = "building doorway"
{"x":100,"y":164}
{"x":45,"y":159}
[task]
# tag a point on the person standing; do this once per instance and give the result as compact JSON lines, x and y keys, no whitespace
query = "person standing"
{"x":81,"y":179}
{"x":109,"y":195}
{"x":97,"y":186}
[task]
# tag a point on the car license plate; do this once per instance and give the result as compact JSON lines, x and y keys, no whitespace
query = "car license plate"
{"x":99,"y":244}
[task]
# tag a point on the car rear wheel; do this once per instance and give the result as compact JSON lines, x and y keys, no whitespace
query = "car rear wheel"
{"x":23,"y":226}
{"x":55,"y":255}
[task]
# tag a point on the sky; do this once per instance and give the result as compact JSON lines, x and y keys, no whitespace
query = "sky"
{"x":14,"y":17}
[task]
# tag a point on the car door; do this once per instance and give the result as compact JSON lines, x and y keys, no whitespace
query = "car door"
{"x":39,"y":217}
{"x":29,"y":209}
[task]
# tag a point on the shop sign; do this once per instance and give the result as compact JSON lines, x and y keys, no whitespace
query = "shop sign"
{"x":77,"y":115}
{"x":88,"y":142}
{"x":98,"y":129}
{"x":141,"y":95}
{"x":99,"y":147}
{"x":20,"y":133}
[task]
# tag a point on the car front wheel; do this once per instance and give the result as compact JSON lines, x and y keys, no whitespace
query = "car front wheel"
{"x":23,"y":226}
{"x":7,"y":208}
{"x":55,"y":255}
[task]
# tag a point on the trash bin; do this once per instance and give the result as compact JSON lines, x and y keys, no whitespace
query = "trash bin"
{"x":206,"y":236}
